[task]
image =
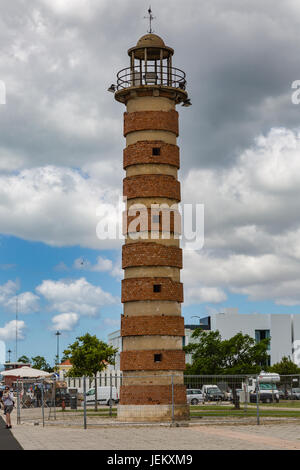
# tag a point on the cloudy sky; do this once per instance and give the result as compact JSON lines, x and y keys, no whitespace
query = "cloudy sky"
{"x":61,"y":158}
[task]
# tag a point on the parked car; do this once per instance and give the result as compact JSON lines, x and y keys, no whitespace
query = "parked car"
{"x":295,"y":395}
{"x":194,"y":396}
{"x":214,"y":395}
{"x":103,"y":395}
{"x":264,"y":397}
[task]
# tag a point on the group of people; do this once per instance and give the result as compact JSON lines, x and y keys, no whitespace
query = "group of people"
{"x":7,"y":399}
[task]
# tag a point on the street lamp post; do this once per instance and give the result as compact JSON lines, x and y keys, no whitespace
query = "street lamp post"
{"x":9,"y":353}
{"x":57,"y":334}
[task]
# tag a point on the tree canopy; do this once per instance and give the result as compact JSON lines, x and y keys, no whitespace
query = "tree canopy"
{"x":285,"y":367}
{"x":238,"y":355}
{"x":37,"y":362}
{"x":24,"y":359}
{"x":89,"y":355}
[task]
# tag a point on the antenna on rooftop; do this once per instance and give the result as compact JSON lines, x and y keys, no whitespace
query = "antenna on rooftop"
{"x":151,"y":18}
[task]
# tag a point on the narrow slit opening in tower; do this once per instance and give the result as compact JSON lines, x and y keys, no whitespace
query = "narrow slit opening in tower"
{"x":157,"y":357}
{"x":157,"y":288}
{"x":155,"y":151}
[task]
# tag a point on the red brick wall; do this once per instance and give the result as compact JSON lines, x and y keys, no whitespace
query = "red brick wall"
{"x":151,"y":120}
{"x":170,"y":221}
{"x":147,"y":325}
{"x":152,"y":395}
{"x":151,"y":186}
{"x":141,"y":152}
{"x":144,"y":360}
{"x":138,"y":289}
{"x":151,"y":254}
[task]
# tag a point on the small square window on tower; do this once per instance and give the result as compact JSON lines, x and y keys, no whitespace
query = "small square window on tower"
{"x":157,"y":288}
{"x":157,"y":357}
{"x":156,"y":151}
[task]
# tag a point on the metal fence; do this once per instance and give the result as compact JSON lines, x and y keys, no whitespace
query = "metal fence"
{"x":210,"y":398}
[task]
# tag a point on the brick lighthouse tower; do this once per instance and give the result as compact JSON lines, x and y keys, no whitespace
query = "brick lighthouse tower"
{"x":152,"y":327}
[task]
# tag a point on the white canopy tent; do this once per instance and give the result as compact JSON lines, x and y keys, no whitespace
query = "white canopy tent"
{"x":26,"y":372}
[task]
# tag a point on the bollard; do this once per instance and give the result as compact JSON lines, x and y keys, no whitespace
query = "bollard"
{"x":84,"y":403}
{"x":43,"y":404}
{"x":18,"y":403}
{"x":257,"y":401}
{"x":110,"y":397}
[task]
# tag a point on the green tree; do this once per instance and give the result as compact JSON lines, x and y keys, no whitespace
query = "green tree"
{"x":285,"y":367}
{"x":39,"y":362}
{"x":24,"y":359}
{"x":237,"y":355}
{"x":63,"y":358}
{"x":89,"y":356}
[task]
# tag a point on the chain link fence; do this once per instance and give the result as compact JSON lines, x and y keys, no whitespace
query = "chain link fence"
{"x":90,"y":401}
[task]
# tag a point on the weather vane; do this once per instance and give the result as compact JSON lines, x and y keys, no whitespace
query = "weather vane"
{"x":151,"y":18}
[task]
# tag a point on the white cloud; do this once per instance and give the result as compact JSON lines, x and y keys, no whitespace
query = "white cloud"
{"x":82,"y":9}
{"x":65,"y":321}
{"x":8,"y":332}
{"x":7,"y":290}
{"x":57,"y":206}
{"x":102,"y":265}
{"x":77,"y":296}
{"x":27,"y":303}
{"x":197,"y":295}
{"x":61,"y":267}
{"x":252,"y":223}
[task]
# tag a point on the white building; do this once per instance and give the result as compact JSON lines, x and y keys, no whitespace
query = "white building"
{"x":283,"y":329}
{"x":115,"y":340}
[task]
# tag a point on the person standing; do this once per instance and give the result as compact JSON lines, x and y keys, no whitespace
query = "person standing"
{"x":8,"y":402}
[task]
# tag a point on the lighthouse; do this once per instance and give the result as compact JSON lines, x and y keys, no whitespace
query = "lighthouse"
{"x":152,"y":328}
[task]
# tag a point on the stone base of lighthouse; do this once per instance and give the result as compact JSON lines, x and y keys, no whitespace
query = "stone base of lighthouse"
{"x":153,"y":413}
{"x":150,"y":396}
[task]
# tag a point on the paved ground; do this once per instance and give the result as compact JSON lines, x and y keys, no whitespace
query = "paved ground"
{"x":208,"y":437}
{"x":7,"y":439}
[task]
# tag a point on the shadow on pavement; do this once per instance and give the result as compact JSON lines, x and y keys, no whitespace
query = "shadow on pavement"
{"x":7,"y":439}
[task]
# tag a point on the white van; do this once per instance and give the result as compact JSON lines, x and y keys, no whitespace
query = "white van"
{"x":206,"y":388}
{"x":103,"y":395}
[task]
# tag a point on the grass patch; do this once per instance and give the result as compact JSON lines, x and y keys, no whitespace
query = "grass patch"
{"x":281,"y":404}
{"x":249,"y":413}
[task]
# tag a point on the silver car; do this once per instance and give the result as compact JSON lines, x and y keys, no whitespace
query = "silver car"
{"x":194,"y":396}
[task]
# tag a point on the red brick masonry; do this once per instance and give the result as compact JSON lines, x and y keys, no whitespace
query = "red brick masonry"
{"x":140,"y":220}
{"x":139,"y":289}
{"x":152,"y":325}
{"x":144,"y":360}
{"x":151,"y":120}
{"x":151,"y":254}
{"x":152,"y":395}
{"x":141,"y":153}
{"x":151,"y":186}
